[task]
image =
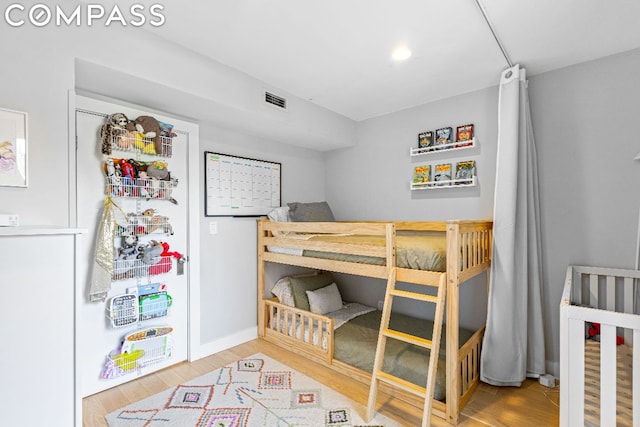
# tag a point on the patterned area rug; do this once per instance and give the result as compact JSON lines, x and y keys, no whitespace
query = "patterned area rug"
{"x":256,"y":391}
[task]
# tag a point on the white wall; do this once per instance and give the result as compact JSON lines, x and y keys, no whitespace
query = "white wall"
{"x":229,"y":258}
{"x":371,"y":180}
{"x":126,"y":64}
{"x":43,"y":69}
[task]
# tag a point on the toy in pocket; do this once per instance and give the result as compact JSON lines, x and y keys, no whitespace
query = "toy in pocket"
{"x":148,"y":134}
{"x":153,"y":300}
{"x":154,"y":305}
{"x":155,"y":341}
{"x":123,"y":310}
{"x":112,"y":131}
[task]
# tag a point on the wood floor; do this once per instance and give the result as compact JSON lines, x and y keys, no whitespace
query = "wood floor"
{"x":529,"y":405}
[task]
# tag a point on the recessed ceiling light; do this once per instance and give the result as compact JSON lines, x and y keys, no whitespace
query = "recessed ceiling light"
{"x":400,"y":53}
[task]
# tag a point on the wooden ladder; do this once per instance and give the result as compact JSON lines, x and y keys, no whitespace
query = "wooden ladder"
{"x":433,"y":345}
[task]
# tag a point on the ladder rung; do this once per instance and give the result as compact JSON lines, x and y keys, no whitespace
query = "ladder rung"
{"x":411,"y":339}
{"x":403,"y":384}
{"x":414,"y":295}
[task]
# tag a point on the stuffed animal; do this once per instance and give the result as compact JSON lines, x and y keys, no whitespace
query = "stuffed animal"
{"x":166,"y":252}
{"x":155,"y":222}
{"x":150,"y":128}
{"x":112,"y":131}
{"x":113,"y":179}
{"x":128,"y":173}
{"x":592,"y":331}
{"x":158,"y":170}
{"x":129,"y":248}
{"x":152,"y":253}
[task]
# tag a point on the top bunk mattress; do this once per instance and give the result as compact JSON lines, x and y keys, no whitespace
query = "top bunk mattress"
{"x":413,"y":251}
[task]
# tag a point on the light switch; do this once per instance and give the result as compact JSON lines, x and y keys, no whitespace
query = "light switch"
{"x":213,"y":227}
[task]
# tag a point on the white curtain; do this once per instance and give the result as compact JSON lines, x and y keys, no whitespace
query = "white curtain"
{"x":513,"y":346}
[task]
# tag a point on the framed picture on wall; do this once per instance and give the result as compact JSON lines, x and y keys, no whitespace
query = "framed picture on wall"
{"x":13,"y":148}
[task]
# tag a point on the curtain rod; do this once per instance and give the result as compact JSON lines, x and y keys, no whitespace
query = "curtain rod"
{"x":495,"y":36}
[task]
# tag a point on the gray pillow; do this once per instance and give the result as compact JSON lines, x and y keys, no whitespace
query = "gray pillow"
{"x":310,"y":212}
{"x":300,"y":286}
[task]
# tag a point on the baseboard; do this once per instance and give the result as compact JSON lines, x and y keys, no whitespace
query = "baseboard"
{"x":227,"y":342}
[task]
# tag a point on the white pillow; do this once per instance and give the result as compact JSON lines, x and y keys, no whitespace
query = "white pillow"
{"x":325,"y":300}
{"x":280,"y":214}
{"x":282,"y":290}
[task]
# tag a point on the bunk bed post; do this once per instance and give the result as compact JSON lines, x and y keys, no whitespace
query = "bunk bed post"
{"x":390,"y":232}
{"x":261,"y":308}
{"x":453,"y":269}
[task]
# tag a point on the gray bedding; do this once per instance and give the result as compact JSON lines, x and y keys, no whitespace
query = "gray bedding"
{"x":415,"y":251}
{"x":355,"y":344}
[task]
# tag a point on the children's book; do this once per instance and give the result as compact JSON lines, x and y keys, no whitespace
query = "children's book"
{"x":422,"y":174}
{"x":464,"y":134}
{"x":465,"y":171}
{"x":443,"y":173}
{"x":425,"y":139}
{"x":443,"y":136}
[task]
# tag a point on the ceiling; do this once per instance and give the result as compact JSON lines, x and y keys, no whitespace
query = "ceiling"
{"x":337,"y":53}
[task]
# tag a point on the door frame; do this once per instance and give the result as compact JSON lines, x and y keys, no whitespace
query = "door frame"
{"x":194,"y":207}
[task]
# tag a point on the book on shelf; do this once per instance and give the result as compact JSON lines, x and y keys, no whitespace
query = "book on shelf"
{"x":464,"y":135}
{"x":465,"y":171}
{"x":442,"y":173}
{"x":443,"y":136}
{"x":425,"y":139}
{"x":422,"y":174}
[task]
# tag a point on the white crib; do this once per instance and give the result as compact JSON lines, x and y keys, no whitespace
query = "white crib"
{"x":599,"y":382}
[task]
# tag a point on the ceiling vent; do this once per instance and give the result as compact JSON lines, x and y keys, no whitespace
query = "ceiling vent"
{"x":275,"y":100}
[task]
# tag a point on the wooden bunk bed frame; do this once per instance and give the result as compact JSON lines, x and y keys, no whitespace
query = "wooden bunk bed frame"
{"x":469,"y":249}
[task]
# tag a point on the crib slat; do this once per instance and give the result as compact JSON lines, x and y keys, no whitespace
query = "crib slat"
{"x":593,"y":291}
{"x":575,"y":346}
{"x":636,"y":378}
{"x":628,"y":305}
{"x":611,"y":293}
{"x":576,"y":291}
{"x":608,"y":375}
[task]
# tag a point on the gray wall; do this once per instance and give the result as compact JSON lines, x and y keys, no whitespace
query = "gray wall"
{"x":229,"y":258}
{"x":584,"y":119}
{"x":370,"y":181}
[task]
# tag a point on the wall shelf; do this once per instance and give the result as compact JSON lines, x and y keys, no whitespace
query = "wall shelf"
{"x":443,"y":148}
{"x":453,"y":183}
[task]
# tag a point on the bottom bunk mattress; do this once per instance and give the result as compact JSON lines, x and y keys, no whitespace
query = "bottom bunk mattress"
{"x":355,"y":344}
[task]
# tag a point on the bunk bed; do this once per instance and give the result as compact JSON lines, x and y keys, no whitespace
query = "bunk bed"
{"x":379,"y":250}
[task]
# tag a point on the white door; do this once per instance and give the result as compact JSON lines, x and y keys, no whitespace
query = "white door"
{"x":101,"y":327}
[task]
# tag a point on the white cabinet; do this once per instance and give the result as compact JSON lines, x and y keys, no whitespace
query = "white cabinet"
{"x":37,"y":281}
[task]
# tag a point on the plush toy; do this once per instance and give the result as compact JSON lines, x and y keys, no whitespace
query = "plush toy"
{"x":593,"y":332}
{"x":113,"y":178}
{"x":113,"y":130}
{"x":126,"y":140}
{"x":152,"y":253}
{"x":150,"y":128}
{"x":166,"y":252}
{"x":158,"y":170}
{"x":128,"y":173}
{"x":129,"y":249}
{"x":156,"y":222}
